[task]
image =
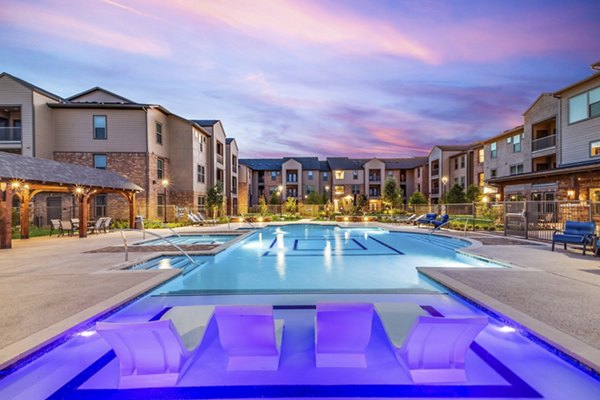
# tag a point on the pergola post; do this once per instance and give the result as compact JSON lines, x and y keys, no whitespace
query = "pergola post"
{"x":24,"y":196}
{"x":132,"y":209}
{"x":6,"y":218}
{"x":84,"y":201}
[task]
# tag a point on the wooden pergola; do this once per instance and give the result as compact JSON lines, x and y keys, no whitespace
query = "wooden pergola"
{"x":25,"y":177}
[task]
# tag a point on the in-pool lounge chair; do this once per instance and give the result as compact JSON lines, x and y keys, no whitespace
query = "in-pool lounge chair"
{"x":250,"y":336}
{"x":432,"y":349}
{"x":342,"y":333}
{"x":581,"y":233}
{"x":427,"y":220}
{"x":157,"y":353}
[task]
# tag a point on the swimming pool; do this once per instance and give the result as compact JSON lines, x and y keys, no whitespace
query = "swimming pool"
{"x":190,"y":240}
{"x":501,"y":363}
{"x":307,"y":258}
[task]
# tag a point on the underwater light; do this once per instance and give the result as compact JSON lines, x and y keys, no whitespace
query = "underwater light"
{"x":507,"y":329}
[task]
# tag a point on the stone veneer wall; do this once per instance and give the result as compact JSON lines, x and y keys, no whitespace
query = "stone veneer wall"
{"x":243,"y":197}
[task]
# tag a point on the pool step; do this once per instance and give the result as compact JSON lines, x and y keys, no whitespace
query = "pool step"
{"x":448,"y":244}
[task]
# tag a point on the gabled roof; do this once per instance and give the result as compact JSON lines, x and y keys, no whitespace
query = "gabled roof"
{"x":13,"y":166}
{"x":32,"y":87}
{"x":99,"y":89}
{"x":541,"y":96}
{"x":229,"y":140}
{"x":263,"y":164}
{"x":404,"y":163}
{"x":324,"y":166}
{"x":345,"y":163}
{"x":460,"y":147}
{"x":308,"y":163}
{"x":206,"y":122}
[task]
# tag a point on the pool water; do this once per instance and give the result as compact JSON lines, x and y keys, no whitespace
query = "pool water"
{"x":308,"y":258}
{"x":190,"y":240}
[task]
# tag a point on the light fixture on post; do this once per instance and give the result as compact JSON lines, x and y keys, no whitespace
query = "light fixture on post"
{"x":280,"y":194}
{"x":3,"y":186}
{"x":444,"y":181}
{"x":165,"y":183}
{"x":571,"y":194}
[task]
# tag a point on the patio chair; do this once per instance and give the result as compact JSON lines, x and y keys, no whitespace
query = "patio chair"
{"x":157,"y":353}
{"x":432,"y":349}
{"x":55,"y":226}
{"x":405,"y":218}
{"x":204,"y":220}
{"x":98,"y":225}
{"x":65,"y":226}
{"x":443,"y":221}
{"x":342,"y":333}
{"x":194,"y":219}
{"x":75,"y":223}
{"x":107,"y":224}
{"x":250,"y":336}
{"x":582,"y":233}
{"x":427,"y":220}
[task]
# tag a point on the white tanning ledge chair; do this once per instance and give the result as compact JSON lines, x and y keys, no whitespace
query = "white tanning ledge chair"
{"x":432,"y":349}
{"x":157,"y":353}
{"x":250,"y":336}
{"x":342,"y":333}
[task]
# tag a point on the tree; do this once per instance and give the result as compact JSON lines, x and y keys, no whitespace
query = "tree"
{"x":291,"y":206}
{"x":362,"y":202}
{"x":314,"y":198}
{"x":214,"y":200}
{"x":392,"y":194}
{"x":274,"y":199}
{"x":417,"y":198}
{"x":472,"y":194}
{"x":263,"y":209}
{"x":455,"y":195}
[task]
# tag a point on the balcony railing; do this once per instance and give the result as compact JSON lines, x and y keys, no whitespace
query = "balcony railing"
{"x":292,"y":178}
{"x":546,"y":142}
{"x":374,"y":193}
{"x":374,"y":178}
{"x":435,"y":172}
{"x":220,"y":158}
{"x":10,"y":134}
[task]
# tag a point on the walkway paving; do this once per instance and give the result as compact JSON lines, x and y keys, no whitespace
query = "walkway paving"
{"x":50,"y":284}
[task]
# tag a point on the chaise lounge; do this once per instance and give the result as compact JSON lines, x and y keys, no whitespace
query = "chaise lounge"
{"x":432,"y":349}
{"x":443,"y":221}
{"x":342,"y":333}
{"x":581,"y":233}
{"x":250,"y":336}
{"x":157,"y":353}
{"x":427,"y":220}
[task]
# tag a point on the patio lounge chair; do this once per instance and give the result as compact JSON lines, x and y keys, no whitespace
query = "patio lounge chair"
{"x":194,"y":218}
{"x":432,"y":349}
{"x":106,"y":225}
{"x":443,"y":221}
{"x":427,"y":220}
{"x":75,"y":223}
{"x":55,"y":226}
{"x":99,"y":225}
{"x":250,"y":336}
{"x":157,"y":353}
{"x":65,"y":226}
{"x":576,"y":233}
{"x":405,"y":218}
{"x":342,"y":333}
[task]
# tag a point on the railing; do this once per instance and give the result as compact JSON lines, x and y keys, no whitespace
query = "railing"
{"x":374,"y":178}
{"x":10,"y":134}
{"x":435,"y":172}
{"x":545,"y":142}
{"x":374,"y":193}
{"x":292,"y":178}
{"x":156,"y":235}
{"x":220,"y":158}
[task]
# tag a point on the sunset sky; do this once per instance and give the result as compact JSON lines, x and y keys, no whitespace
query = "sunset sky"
{"x":298,"y":77}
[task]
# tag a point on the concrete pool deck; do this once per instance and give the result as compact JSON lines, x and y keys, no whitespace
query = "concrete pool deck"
{"x":50,"y":284}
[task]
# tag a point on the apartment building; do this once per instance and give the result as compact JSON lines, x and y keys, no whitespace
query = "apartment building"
{"x":341,"y":179}
{"x":440,"y":167}
{"x":231,"y":176}
{"x":173,"y":159}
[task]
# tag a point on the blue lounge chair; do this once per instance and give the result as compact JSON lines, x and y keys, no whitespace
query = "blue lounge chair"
{"x":429,"y":218}
{"x":438,"y":224}
{"x":576,"y":233}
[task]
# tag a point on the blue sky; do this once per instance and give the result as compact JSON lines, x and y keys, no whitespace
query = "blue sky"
{"x":359,"y":78}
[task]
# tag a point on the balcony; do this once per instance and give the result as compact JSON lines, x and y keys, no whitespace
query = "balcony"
{"x":374,"y":178}
{"x":220,"y":158}
{"x":10,"y":134}
{"x":292,"y":178}
{"x":546,"y":142}
{"x":374,"y":193}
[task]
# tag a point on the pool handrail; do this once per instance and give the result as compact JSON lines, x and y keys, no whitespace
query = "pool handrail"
{"x":123,"y":230}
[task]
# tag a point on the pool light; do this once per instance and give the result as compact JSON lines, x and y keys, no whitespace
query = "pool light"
{"x":86,"y":333}
{"x":507,"y":329}
{"x":346,"y":219}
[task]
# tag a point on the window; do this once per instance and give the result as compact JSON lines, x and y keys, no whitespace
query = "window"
{"x":160,"y":203}
{"x":462,"y":161}
{"x":159,"y":135}
{"x":339,"y":190}
{"x":390,"y":174}
{"x":100,"y":161}
{"x":517,"y":143}
{"x":100,"y":205}
{"x":160,"y":168}
{"x":493,"y":150}
{"x":456,"y":163}
{"x":355,"y":189}
{"x":201,"y":201}
{"x":310,"y":175}
{"x":516,"y":169}
{"x":462,"y":181}
{"x":481,"y":179}
{"x":481,"y":155}
{"x":325,"y":176}
{"x":234,"y":164}
{"x":419,"y":172}
{"x":493,"y":173}
{"x":418,"y":187}
{"x":100,"y":127}
{"x":310,"y":189}
{"x":585,"y":105}
{"x":201,"y":173}
{"x":234,"y":185}
{"x":595,"y":148}
{"x":354,"y":175}
{"x":339,"y":174}
{"x":273,"y":175}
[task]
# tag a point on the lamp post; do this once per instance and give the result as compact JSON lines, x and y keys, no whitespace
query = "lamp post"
{"x":444,"y":181}
{"x":165,"y":183}
{"x":280,"y":192}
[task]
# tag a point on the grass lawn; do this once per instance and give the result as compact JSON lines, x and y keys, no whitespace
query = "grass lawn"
{"x":34,"y":231}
